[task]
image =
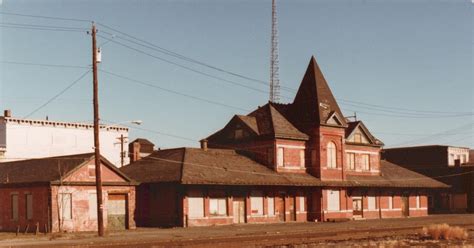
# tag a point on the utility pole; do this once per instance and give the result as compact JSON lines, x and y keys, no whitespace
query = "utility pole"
{"x":98,"y":174}
{"x":122,"y":152}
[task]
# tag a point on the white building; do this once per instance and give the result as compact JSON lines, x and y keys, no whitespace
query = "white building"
{"x":26,"y":139}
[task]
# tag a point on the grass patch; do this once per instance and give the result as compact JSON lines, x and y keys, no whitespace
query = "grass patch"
{"x":445,"y":231}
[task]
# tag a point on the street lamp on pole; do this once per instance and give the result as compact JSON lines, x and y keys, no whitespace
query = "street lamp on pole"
{"x":122,"y":138}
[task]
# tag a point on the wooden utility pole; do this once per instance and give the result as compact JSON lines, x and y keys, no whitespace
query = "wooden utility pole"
{"x":122,"y":152}
{"x":98,"y":174}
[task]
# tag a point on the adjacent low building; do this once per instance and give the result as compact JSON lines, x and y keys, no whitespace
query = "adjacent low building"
{"x":27,"y":139}
{"x":448,"y":164}
{"x":302,"y":161}
{"x":58,"y":194}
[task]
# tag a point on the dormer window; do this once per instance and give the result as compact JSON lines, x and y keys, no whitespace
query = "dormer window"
{"x":239,"y":134}
{"x":331,"y":155}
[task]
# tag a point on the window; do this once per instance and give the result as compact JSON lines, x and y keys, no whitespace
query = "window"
{"x":333,"y":200}
{"x":390,"y":202}
{"x":351,"y":161}
{"x":357,"y":138}
{"x":302,"y":160}
{"x":371,"y":203}
{"x":256,"y":203}
{"x":331,"y":150}
{"x":271,"y":206}
{"x":239,"y":133}
{"x":195,"y":206}
{"x":93,"y":206}
{"x":14,"y":202}
{"x":65,"y":205}
{"x":418,"y":203}
{"x":91,"y":170}
{"x":366,"y":162}
{"x":217,"y":206}
{"x":302,"y":205}
{"x":280,"y":156}
{"x":29,"y":206}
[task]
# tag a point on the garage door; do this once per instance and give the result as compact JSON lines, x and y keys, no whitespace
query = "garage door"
{"x":117,"y":212}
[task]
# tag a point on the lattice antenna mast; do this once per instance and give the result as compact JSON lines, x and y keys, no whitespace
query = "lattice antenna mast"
{"x":274,"y":69}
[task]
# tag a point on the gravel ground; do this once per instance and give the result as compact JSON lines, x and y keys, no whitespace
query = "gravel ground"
{"x":363,"y":233}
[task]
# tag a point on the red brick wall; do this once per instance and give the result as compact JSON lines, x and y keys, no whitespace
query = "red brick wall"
{"x":40,"y":208}
{"x":318,"y":144}
{"x":158,"y":205}
{"x":291,"y":158}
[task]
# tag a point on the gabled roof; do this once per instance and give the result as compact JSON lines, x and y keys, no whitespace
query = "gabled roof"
{"x":229,"y":167}
{"x":314,"y":101}
{"x":271,"y":122}
{"x":48,"y":170}
{"x":352,"y":126}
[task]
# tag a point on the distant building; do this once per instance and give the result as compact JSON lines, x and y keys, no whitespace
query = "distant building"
{"x":58,"y":194}
{"x":26,"y":139}
{"x":301,"y":161}
{"x":448,"y":164}
{"x":140,"y":148}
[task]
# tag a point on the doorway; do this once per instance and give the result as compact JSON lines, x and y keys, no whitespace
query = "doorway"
{"x":292,"y":208}
{"x":405,"y":206}
{"x":357,"y":206}
{"x":239,"y":210}
{"x":117,"y":212}
{"x":280,"y":208}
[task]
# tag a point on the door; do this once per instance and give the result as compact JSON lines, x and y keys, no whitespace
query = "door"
{"x":405,"y":206}
{"x":292,"y":208}
{"x":239,"y":210}
{"x":280,"y":208}
{"x":117,"y":212}
{"x":357,"y":206}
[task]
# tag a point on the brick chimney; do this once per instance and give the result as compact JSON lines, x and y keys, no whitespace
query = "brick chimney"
{"x":204,"y":144}
{"x":7,"y":113}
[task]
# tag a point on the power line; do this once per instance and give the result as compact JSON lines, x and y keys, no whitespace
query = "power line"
{"x":44,"y":65}
{"x":45,"y":17}
{"x":40,"y":26}
{"x":172,"y":91}
{"x":185,"y":67}
{"x":43,"y":29}
{"x":57,"y":95}
{"x":403,"y":116}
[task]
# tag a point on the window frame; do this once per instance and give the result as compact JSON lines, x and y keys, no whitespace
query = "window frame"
{"x":256,"y":199}
{"x":331,"y":155}
{"x":218,"y":201}
{"x":351,"y":161}
{"x":29,"y":206}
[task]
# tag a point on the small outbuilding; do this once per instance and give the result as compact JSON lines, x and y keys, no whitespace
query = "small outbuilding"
{"x":58,"y":194}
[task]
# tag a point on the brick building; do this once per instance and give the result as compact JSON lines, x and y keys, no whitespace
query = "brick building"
{"x":58,"y":194}
{"x":140,"y":148}
{"x":448,"y":164}
{"x":301,"y":161}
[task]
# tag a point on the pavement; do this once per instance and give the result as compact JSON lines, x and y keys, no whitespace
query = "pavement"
{"x":245,"y":235}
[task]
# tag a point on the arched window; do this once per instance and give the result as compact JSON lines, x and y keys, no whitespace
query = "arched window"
{"x":331,"y":149}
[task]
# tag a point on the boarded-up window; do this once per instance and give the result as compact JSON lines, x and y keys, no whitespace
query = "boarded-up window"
{"x":271,"y":206}
{"x":366,"y":162}
{"x":29,"y":206}
{"x":460,"y":201}
{"x":196,"y":206}
{"x":333,"y":200}
{"x":217,"y":206}
{"x":331,"y":155}
{"x":14,"y":205}
{"x":357,"y":138}
{"x":65,"y":205}
{"x":256,"y":202}
{"x":351,"y":160}
{"x":371,"y":203}
{"x":302,"y":160}
{"x":93,"y":206}
{"x":239,"y":133}
{"x":91,"y":170}
{"x":280,"y":155}
{"x":418,"y":203}
{"x":302,"y":204}
{"x":390,"y":202}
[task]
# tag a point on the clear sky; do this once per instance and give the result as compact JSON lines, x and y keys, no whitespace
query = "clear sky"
{"x":405,"y":67}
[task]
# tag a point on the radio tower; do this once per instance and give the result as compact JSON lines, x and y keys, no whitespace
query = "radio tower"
{"x":274,"y":74}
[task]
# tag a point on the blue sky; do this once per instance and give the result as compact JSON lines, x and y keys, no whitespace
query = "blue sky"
{"x":410,"y":63}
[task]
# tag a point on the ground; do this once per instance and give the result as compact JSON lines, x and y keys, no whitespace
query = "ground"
{"x":363,"y":233}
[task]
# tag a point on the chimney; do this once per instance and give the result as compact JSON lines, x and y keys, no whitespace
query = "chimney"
{"x":7,"y":113}
{"x":204,"y":144}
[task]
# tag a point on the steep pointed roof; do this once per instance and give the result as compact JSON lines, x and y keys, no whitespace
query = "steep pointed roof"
{"x":314,"y":102}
